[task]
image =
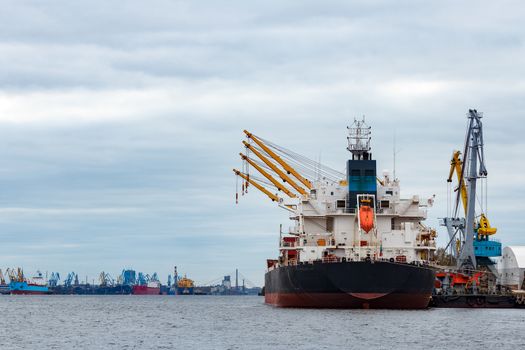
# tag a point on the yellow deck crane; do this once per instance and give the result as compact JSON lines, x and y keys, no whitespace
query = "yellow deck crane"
{"x":276,"y":183}
{"x":279,"y":160}
{"x":278,"y":171}
{"x":456,"y":165}
{"x":272,"y":196}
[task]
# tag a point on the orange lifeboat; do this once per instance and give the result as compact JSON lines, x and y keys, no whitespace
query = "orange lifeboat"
{"x":366,"y":217}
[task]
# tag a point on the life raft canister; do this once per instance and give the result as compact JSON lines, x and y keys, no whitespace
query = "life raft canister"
{"x":366,"y":217}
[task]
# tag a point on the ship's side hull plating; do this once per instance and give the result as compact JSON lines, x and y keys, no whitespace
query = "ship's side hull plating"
{"x":145,"y":290}
{"x":374,"y":285}
{"x":27,"y":288}
{"x":185,"y":291}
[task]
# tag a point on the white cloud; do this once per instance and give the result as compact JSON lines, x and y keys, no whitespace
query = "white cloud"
{"x":120,"y":127}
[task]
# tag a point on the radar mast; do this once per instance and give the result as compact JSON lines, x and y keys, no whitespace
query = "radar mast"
{"x":359,"y":140}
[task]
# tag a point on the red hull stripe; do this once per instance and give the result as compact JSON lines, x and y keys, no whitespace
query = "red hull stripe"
{"x":21,"y":292}
{"x":368,"y":296}
{"x":348,"y":301}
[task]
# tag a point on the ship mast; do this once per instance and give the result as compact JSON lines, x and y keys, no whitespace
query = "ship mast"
{"x":359,"y":140}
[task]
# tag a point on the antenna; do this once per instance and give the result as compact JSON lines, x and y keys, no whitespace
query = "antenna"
{"x":394,"y":155}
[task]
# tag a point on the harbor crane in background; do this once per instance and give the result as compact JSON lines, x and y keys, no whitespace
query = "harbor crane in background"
{"x":53,"y":280}
{"x":105,"y":279}
{"x":15,"y":275}
{"x":471,"y":232}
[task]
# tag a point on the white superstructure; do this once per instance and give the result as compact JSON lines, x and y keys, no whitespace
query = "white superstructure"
{"x":324,"y":228}
{"x":340,"y":217}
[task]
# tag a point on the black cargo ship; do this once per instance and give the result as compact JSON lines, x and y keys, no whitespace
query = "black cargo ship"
{"x":366,"y":284}
{"x":355,"y":242}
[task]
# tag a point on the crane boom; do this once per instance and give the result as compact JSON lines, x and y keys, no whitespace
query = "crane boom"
{"x":279,"y":160}
{"x":457,"y":165}
{"x":272,"y":196}
{"x":281,"y":174}
{"x":268,"y":176}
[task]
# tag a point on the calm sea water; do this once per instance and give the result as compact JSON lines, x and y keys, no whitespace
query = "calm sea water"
{"x":211,"y":322}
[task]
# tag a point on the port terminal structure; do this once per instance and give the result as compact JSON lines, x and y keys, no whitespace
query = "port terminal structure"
{"x":14,"y":281}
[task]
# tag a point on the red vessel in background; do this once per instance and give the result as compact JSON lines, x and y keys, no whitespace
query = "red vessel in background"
{"x":151,"y":288}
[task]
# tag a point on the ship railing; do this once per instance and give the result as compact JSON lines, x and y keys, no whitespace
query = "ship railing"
{"x":426,"y":243}
{"x":293,"y":230}
{"x":365,"y":259}
{"x":292,"y":262}
{"x":330,"y":259}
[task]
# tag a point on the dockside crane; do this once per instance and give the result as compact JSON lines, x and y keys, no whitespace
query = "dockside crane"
{"x":456,"y":165}
{"x":71,"y":279}
{"x":105,"y":279}
{"x":15,"y":275}
{"x":53,"y":280}
{"x":473,"y":233}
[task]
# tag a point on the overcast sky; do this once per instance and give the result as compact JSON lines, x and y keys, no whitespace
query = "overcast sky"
{"x":120,"y":122}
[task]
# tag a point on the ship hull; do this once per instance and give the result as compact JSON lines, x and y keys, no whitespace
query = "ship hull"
{"x":4,"y":289}
{"x":145,"y":290}
{"x":350,"y":285}
{"x":28,"y":289}
{"x":481,"y":301}
{"x":185,"y":291}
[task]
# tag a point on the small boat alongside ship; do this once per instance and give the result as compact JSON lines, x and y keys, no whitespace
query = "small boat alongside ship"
{"x":182,"y":285}
{"x":185,"y":286}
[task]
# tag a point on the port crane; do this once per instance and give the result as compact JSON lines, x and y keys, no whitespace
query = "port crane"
{"x":470,"y":232}
{"x":15,"y":275}
{"x":53,"y":280}
{"x":105,"y":279}
{"x":71,"y":279}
